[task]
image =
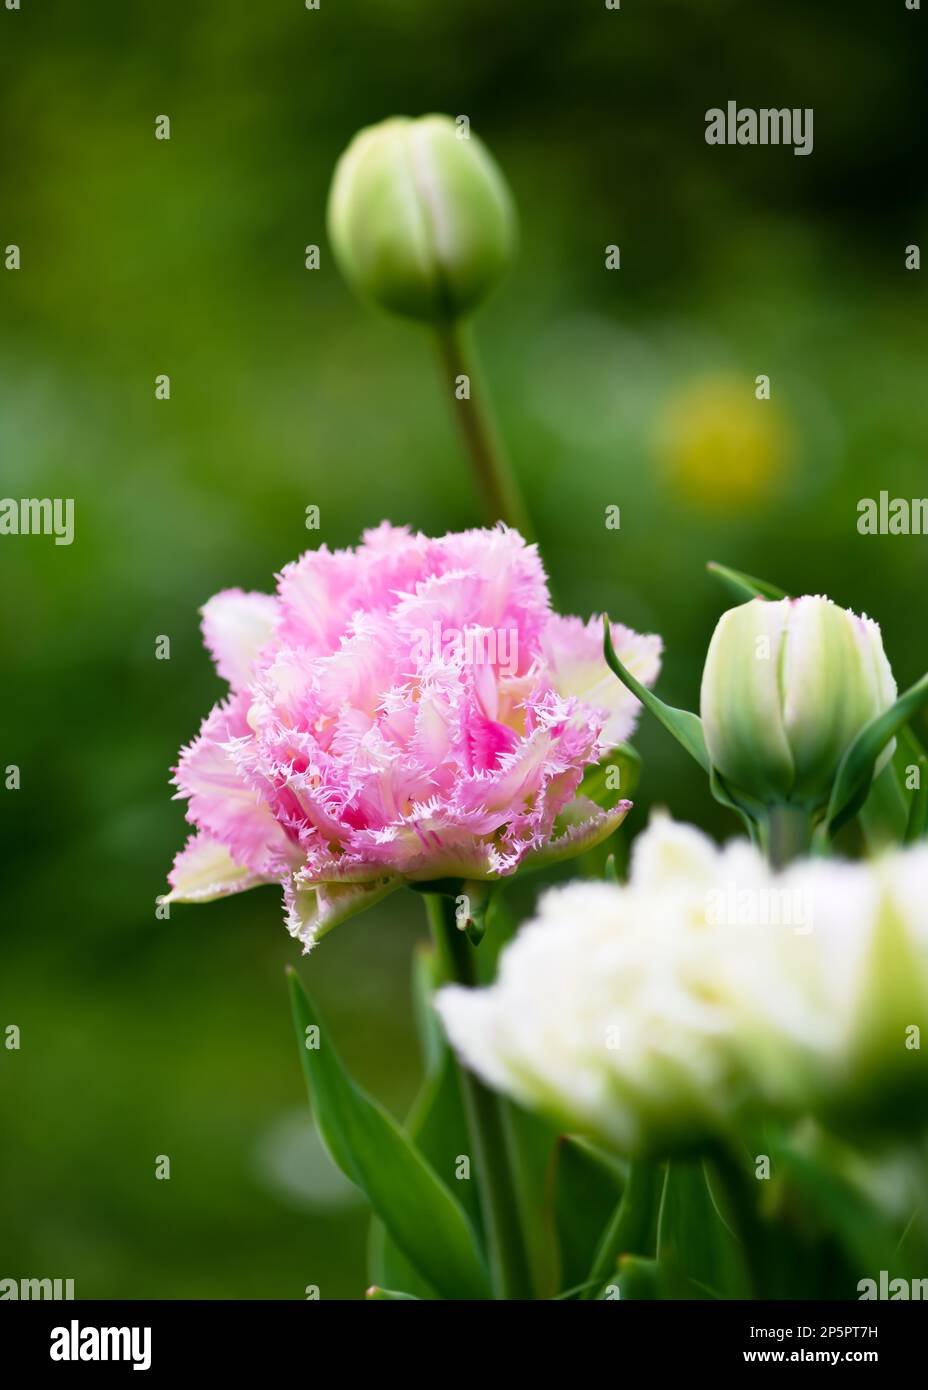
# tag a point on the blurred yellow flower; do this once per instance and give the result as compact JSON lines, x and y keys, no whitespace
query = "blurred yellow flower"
{"x":720,"y":446}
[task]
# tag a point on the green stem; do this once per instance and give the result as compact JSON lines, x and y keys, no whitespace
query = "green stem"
{"x":499,"y":491}
{"x":787,"y":834}
{"x":486,"y":1126}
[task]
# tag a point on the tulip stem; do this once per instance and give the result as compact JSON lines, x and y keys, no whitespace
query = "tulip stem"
{"x":473,"y":413}
{"x":787,"y":834}
{"x":486,"y":1124}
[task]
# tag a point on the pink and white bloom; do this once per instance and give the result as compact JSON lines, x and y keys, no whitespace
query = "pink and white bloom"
{"x":355,"y":752}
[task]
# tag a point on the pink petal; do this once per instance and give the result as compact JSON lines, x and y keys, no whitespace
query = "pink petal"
{"x":573,"y":652}
{"x":236,"y":625}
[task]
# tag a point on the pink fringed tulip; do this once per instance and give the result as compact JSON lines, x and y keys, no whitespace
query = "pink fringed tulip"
{"x":408,"y":711}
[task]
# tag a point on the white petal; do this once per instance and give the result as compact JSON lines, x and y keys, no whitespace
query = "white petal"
{"x":311,"y":912}
{"x":204,"y":870}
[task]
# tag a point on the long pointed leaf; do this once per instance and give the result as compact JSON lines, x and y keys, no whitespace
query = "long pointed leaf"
{"x":685,"y":727}
{"x":372,"y":1150}
{"x":894,"y":811}
{"x":693,"y":1240}
{"x":437,"y":1127}
{"x":856,"y":771}
{"x":911,"y":754}
{"x":630,"y":1229}
{"x":885,"y":813}
{"x":583,"y":1189}
{"x":745,"y":586}
{"x":750,"y":811}
{"x":917,"y":826}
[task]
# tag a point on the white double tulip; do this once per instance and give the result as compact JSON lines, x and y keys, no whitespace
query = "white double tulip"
{"x":710,"y":989}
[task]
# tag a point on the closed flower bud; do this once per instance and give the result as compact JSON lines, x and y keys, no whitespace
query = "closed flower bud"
{"x":786,"y":689}
{"x":420,"y":218}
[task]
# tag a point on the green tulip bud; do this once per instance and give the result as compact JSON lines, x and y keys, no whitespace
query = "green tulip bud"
{"x":420,"y":218}
{"x":786,"y":688}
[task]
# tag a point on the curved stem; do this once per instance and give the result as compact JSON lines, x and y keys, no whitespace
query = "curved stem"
{"x":499,"y":492}
{"x":486,"y":1125}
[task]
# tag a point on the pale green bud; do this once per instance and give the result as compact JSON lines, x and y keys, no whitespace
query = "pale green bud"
{"x":786,"y":688}
{"x":420,"y":218}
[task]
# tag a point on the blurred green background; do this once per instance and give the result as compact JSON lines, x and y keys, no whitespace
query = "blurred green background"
{"x":635,"y":387}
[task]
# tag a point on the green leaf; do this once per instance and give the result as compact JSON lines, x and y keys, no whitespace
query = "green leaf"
{"x":884,"y":815}
{"x":595,"y":785}
{"x":437,"y":1126}
{"x":376,"y":1294}
{"x":917,"y":827}
{"x":823,"y":1189}
{"x":436,"y":1123}
{"x":638,"y":1279}
{"x":745,"y":586}
{"x":428,"y":1225}
{"x":893,"y":811}
{"x":693,"y":1240}
{"x":585,"y":1187}
{"x":750,"y":811}
{"x":856,"y":771}
{"x":910,"y":753}
{"x":630,"y":1229}
{"x":571,"y":1295}
{"x":685,"y":727}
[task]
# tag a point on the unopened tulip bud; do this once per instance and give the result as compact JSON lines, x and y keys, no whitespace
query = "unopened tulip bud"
{"x":420,"y":218}
{"x":786,"y":688}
